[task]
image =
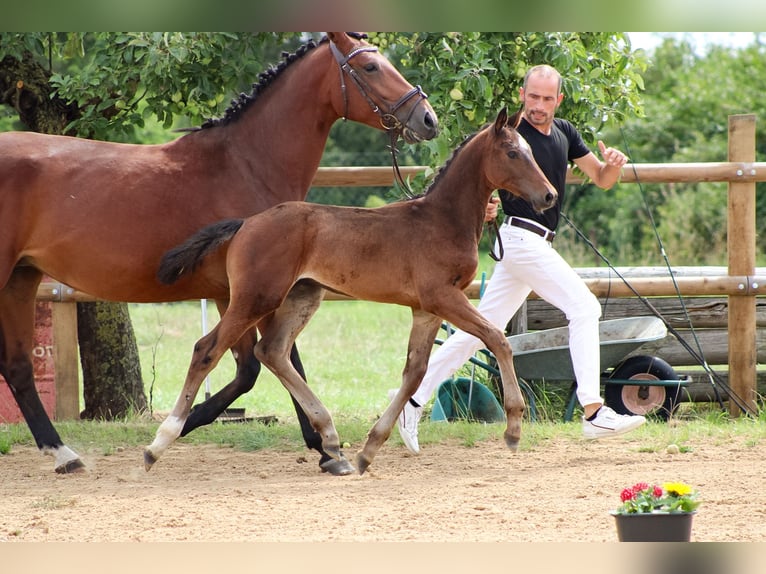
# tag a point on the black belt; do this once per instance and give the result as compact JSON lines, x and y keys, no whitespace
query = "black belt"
{"x":546,"y":234}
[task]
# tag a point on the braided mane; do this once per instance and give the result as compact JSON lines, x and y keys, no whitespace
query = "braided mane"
{"x":265,"y":79}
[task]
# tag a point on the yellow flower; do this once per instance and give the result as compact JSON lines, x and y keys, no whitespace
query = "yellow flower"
{"x":677,"y":488}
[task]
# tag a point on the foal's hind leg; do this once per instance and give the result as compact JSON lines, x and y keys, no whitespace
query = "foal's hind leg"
{"x":248,"y":368}
{"x":336,"y":467}
{"x":278,"y":333}
{"x":424,"y":329}
{"x":17,"y":312}
{"x":207,"y":352}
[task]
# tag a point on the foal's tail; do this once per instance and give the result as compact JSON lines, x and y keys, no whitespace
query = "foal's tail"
{"x":185,"y":258}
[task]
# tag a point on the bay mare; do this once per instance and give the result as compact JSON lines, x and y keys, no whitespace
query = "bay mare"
{"x":420,"y":253}
{"x":98,"y":216}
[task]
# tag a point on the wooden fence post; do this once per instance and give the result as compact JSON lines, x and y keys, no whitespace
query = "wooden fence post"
{"x":66,"y":360}
{"x":741,"y":255}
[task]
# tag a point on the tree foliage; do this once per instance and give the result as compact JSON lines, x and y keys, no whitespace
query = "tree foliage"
{"x":688,"y":99}
{"x":118,"y":80}
{"x":471,"y":75}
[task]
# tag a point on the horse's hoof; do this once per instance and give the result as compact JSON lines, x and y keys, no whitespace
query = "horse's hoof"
{"x":362,"y":463}
{"x":149,"y":459}
{"x":71,"y":466}
{"x":340,"y":467}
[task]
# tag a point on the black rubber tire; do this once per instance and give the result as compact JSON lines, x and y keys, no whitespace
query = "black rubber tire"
{"x":658,"y":402}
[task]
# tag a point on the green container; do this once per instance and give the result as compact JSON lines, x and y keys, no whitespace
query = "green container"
{"x":452,"y":402}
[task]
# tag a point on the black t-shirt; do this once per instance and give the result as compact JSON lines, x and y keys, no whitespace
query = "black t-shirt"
{"x":552,"y":153}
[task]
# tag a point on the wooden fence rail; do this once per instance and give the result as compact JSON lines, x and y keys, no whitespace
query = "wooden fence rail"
{"x":739,"y":289}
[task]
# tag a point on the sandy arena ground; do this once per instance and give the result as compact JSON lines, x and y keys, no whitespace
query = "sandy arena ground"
{"x":559,"y":491}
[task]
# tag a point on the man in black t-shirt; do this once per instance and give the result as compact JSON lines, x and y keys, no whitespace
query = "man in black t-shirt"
{"x":531,"y":263}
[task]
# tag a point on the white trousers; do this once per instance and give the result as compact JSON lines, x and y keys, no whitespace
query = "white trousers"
{"x":530,"y":264}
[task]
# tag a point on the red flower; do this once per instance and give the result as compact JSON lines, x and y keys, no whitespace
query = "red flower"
{"x":639,"y":486}
{"x":657,"y":491}
{"x":627,"y":494}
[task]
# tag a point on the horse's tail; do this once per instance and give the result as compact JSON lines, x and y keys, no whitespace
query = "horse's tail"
{"x":185,"y":258}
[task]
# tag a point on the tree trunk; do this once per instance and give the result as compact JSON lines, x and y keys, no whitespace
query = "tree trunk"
{"x":112,"y":383}
{"x":109,"y":357}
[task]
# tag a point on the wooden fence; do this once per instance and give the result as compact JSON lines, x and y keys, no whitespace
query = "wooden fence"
{"x":726,"y":304}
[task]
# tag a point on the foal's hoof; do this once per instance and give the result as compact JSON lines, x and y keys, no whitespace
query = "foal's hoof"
{"x":149,"y":459}
{"x":362,"y":462}
{"x":340,"y":467}
{"x":512,"y":443}
{"x":71,"y":466}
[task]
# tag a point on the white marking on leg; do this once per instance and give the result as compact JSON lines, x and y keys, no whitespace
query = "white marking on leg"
{"x":62,"y":455}
{"x":167,"y":433}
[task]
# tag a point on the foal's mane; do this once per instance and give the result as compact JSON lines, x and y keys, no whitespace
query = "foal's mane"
{"x":265,"y":79}
{"x":440,"y":174}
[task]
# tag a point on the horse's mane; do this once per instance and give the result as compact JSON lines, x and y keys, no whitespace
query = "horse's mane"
{"x":265,"y":79}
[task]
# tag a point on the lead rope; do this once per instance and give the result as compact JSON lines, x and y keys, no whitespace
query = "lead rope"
{"x":493,"y":227}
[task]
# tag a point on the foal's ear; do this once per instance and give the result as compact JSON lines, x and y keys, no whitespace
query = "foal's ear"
{"x":515,"y":119}
{"x":501,"y":120}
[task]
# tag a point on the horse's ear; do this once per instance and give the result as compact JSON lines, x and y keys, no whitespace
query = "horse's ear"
{"x":501,"y":120}
{"x":341,"y":40}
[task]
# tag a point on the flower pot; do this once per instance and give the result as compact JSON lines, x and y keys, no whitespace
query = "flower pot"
{"x":655,"y":527}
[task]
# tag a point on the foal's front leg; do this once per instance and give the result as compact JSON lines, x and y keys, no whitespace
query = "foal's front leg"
{"x":422,"y":335}
{"x":465,"y":317}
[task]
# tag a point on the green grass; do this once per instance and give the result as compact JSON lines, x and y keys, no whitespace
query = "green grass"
{"x":353,"y":352}
{"x":686,"y":431}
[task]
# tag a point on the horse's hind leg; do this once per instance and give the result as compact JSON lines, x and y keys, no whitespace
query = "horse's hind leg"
{"x":278,"y":334}
{"x":313,"y":440}
{"x":424,"y":329}
{"x":248,"y":369}
{"x":17,"y":311}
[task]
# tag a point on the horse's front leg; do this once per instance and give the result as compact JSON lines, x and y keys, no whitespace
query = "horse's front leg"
{"x":207,"y":352}
{"x":17,"y":319}
{"x":422,"y":335}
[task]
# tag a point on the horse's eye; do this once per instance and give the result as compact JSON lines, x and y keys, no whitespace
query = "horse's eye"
{"x":370,"y":68}
{"x":513,"y":154}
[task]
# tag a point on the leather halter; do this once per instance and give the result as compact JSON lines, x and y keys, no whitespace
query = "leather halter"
{"x":388,"y":119}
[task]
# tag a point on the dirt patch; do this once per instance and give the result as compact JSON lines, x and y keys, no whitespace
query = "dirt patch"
{"x":559,"y":491}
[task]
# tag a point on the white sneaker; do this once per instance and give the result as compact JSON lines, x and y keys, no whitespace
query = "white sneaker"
{"x":608,"y":423}
{"x":408,"y":423}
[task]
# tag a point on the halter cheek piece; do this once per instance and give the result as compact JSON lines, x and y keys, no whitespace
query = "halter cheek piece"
{"x":388,"y":120}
